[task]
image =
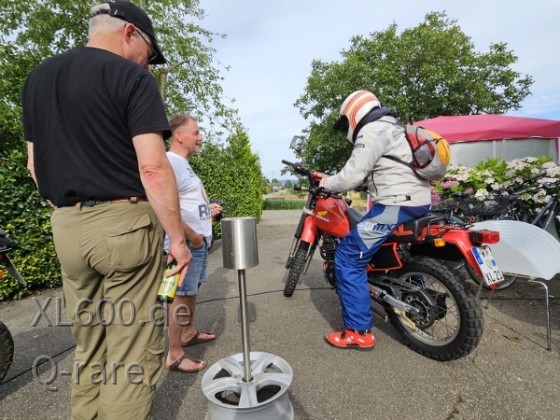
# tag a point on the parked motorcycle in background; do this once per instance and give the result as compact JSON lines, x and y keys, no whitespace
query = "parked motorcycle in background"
{"x":410,"y":278}
{"x":6,"y":340}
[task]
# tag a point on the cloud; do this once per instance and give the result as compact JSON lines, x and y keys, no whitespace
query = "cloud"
{"x":270,"y":47}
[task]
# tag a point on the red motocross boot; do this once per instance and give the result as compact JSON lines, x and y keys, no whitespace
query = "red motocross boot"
{"x":351,"y":339}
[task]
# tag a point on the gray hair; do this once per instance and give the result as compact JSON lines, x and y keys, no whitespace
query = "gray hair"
{"x":178,"y":120}
{"x":103,"y":21}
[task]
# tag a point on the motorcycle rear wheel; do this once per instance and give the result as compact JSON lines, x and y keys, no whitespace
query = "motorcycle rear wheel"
{"x":450,"y":330}
{"x":296,"y":268}
{"x":6,"y":350}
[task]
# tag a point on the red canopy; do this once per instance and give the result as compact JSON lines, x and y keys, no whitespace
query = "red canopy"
{"x":491,"y":127}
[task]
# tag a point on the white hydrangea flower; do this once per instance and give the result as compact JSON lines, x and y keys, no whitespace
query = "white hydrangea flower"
{"x":481,"y":194}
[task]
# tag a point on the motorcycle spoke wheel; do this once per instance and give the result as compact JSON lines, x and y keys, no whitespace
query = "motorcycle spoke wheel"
{"x":6,"y":350}
{"x":448,"y":330}
{"x":296,"y":268}
{"x":508,"y":279}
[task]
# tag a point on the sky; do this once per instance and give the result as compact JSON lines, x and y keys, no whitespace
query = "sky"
{"x":269,"y":47}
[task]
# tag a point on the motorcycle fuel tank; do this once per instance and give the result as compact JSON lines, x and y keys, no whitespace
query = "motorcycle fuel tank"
{"x":330,"y":216}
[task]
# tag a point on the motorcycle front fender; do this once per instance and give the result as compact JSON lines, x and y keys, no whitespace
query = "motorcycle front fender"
{"x":309,"y":232}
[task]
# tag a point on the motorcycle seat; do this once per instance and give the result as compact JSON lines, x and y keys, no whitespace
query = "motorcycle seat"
{"x":354,"y":216}
{"x":412,"y":229}
{"x":406,"y":232}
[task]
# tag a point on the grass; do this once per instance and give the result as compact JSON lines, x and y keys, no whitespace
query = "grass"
{"x":290,"y":202}
{"x":283,"y":204}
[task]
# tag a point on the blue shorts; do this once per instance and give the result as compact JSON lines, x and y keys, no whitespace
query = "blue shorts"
{"x":197,"y":272}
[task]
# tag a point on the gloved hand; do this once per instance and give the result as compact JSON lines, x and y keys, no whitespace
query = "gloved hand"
{"x":322,"y":178}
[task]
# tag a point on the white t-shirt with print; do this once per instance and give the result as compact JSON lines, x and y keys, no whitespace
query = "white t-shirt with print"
{"x":195,"y":208}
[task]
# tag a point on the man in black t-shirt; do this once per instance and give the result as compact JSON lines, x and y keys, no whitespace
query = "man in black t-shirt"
{"x":95,"y":125}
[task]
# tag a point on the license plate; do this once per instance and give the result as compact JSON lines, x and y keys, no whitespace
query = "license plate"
{"x":487,"y":264}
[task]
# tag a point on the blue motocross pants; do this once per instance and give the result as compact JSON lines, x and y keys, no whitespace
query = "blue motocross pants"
{"x":354,"y":252}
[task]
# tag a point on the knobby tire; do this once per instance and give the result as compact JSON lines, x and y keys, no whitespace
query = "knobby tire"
{"x":459,"y":313}
{"x":296,"y":268}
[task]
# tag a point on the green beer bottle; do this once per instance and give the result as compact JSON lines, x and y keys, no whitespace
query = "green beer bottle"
{"x":168,"y":285}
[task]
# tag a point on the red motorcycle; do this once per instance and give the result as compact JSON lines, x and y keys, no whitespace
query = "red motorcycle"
{"x":412,"y":278}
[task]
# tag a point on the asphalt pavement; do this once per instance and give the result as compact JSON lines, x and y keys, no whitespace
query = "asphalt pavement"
{"x":511,"y":375}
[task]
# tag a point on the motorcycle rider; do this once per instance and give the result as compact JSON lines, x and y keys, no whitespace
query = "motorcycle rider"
{"x":398,"y":195}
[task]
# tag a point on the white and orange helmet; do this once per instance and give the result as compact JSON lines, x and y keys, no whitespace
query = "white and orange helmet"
{"x":354,"y":108}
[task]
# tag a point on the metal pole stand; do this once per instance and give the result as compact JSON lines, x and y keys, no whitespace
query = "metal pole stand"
{"x":248,"y":385}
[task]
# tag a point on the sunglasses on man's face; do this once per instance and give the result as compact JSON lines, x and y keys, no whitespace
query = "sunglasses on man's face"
{"x":152,"y":53}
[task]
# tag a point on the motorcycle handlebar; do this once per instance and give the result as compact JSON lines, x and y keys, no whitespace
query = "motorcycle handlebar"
{"x":314,"y":180}
{"x":298,"y":167}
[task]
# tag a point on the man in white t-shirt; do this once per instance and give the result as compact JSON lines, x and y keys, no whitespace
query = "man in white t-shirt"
{"x":196,"y":214}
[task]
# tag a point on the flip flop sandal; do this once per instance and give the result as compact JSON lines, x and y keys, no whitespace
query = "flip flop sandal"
{"x":175,"y":366}
{"x":196,"y":339}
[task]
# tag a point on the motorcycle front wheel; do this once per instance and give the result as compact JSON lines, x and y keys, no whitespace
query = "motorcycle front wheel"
{"x":296,"y":268}
{"x":6,"y":350}
{"x":449,"y":327}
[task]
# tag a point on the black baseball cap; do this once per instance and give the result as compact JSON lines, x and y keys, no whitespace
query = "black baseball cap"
{"x":131,"y":13}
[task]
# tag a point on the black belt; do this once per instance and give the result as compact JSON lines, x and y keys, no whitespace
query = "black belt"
{"x":92,"y":203}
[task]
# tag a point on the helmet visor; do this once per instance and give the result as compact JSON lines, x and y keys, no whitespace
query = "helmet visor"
{"x":342,"y":124}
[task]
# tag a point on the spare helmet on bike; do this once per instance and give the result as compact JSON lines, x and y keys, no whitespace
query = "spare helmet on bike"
{"x":354,"y":108}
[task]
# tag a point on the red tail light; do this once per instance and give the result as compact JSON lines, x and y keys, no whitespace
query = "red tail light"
{"x":485,"y":236}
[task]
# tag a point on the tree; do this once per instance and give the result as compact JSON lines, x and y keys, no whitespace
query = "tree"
{"x":33,"y":30}
{"x":246,"y":174}
{"x":266,"y":185}
{"x":232,"y":174}
{"x":425,"y":71}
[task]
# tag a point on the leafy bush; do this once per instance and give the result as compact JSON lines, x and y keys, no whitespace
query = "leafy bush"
{"x":25,"y":217}
{"x":230,"y":173}
{"x":233,"y":175}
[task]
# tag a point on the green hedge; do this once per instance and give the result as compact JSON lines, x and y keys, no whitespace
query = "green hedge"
{"x":25,"y":217}
{"x":283,"y":204}
{"x":233,"y":175}
{"x":230,"y":173}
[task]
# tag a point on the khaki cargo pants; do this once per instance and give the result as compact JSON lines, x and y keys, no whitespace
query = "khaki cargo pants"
{"x":111,"y":260}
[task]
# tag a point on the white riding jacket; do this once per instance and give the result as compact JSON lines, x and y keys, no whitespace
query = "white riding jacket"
{"x":389,"y":182}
